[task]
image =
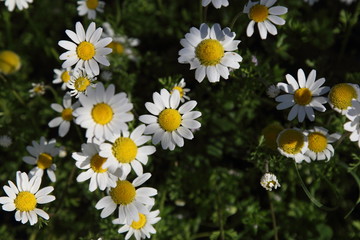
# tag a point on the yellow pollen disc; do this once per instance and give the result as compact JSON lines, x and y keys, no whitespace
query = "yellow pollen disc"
{"x":9,"y":62}
{"x":139,"y":224}
{"x":66,"y":114}
{"x":25,"y":201}
{"x":303,"y":96}
{"x":85,"y":50}
{"x":124,"y":193}
{"x":180,"y":89}
{"x":317,"y":142}
{"x":117,"y":47}
{"x":65,"y":76}
{"x":92,"y":4}
{"x":124,"y":149}
{"x":81,"y":84}
{"x":291,"y":141}
{"x":39,"y":89}
{"x":341,"y":95}
{"x":169,"y":119}
{"x":270,"y":184}
{"x":44,"y":161}
{"x":209,"y":52}
{"x":96,"y":163}
{"x":259,"y":13}
{"x":102,"y":113}
{"x":270,"y":133}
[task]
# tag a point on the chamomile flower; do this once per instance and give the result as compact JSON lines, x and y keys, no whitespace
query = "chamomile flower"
{"x":303,"y":96}
{"x":62,"y":76}
{"x":87,"y":49}
{"x":140,"y":229}
{"x":353,"y":126}
{"x":170,"y":123}
{"x":273,"y":91}
{"x":38,"y":89}
{"x":24,"y":198}
{"x":210,"y":52}
{"x":10,"y":62}
{"x":182,"y":90}
{"x":265,"y":16}
{"x":42,"y":155}
{"x":66,"y":111}
{"x":103,"y":112}
{"x":269,"y":181}
{"x":125,"y":151}
{"x":90,"y":160}
{"x":5,"y":141}
{"x":216,"y":3}
{"x":20,"y":4}
{"x":79,"y":82}
{"x":341,"y":96}
{"x":90,"y":7}
{"x":129,"y":199}
{"x":292,"y":143}
{"x":319,"y":143}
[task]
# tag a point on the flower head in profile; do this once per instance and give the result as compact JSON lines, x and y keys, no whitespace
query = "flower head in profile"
{"x":20,"y":4}
{"x":353,"y":126}
{"x":182,"y":90}
{"x":10,"y":62}
{"x":342,"y":95}
{"x":265,"y":15}
{"x":38,"y":89}
{"x":79,"y":82}
{"x":210,"y":51}
{"x":62,"y":76}
{"x":269,"y":181}
{"x":90,"y":7}
{"x":216,"y":3}
{"x":86,"y":49}
{"x":293,"y":143}
{"x":270,"y":133}
{"x":25,"y":196}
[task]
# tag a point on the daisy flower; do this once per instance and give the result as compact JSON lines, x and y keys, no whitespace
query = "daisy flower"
{"x":79,"y":82}
{"x":42,"y":155}
{"x":292,"y":143}
{"x":170,"y":123}
{"x":66,"y":111}
{"x":20,"y":4}
{"x":353,"y":125}
{"x":24,"y":198}
{"x":5,"y":141}
{"x":87,"y":49}
{"x":90,"y":160}
{"x":265,"y":16}
{"x":216,"y":3}
{"x":341,"y":96}
{"x":62,"y":76}
{"x":140,"y":229}
{"x":302,"y":96}
{"x":90,"y":7}
{"x":38,"y":89}
{"x":103,"y":112}
{"x":269,"y":181}
{"x":125,"y":151}
{"x":319,"y":147}
{"x":9,"y":62}
{"x":272,"y":91}
{"x":210,"y":52}
{"x":182,"y":90}
{"x":129,"y":199}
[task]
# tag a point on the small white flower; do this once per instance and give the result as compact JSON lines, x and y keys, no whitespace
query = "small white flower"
{"x":5,"y":141}
{"x":293,"y":143}
{"x":216,"y":3}
{"x":269,"y":181}
{"x":353,"y":126}
{"x":273,"y":91}
{"x":37,"y":89}
{"x":79,"y":82}
{"x":182,"y":90}
{"x":20,"y":4}
{"x":106,"y":75}
{"x":62,"y":76}
{"x":254,"y":60}
{"x":90,"y":7}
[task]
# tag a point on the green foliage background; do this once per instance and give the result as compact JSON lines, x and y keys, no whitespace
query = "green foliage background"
{"x":209,"y":189}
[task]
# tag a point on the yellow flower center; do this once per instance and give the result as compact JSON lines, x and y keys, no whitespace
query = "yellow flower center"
{"x":270,"y":184}
{"x":92,"y":4}
{"x":259,"y":13}
{"x":124,"y":192}
{"x":139,"y":224}
{"x":303,"y":96}
{"x":270,"y":133}
{"x":317,"y":142}
{"x":291,"y":141}
{"x":117,"y":47}
{"x":180,"y":89}
{"x":44,"y":161}
{"x":124,"y":149}
{"x":341,"y":95}
{"x":39,"y":89}
{"x":9,"y":62}
{"x":169,"y":119}
{"x":25,"y":201}
{"x":65,"y":76}
{"x":85,"y":50}
{"x":96,"y":163}
{"x":81,"y":84}
{"x":209,"y":52}
{"x":102,"y":113}
{"x":66,"y":114}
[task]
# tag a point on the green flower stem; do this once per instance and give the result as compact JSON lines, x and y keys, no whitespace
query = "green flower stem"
{"x":235,"y":19}
{"x":273,"y":217}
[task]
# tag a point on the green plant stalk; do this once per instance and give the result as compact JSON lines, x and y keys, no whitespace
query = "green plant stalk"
{"x":273,"y":217}
{"x":220,"y":217}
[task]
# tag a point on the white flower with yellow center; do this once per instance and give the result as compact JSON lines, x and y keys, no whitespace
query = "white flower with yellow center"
{"x":182,"y":90}
{"x":42,"y":155}
{"x":265,"y":16}
{"x":90,"y":7}
{"x":341,"y":96}
{"x":302,"y":96}
{"x":353,"y":126}
{"x":319,"y":143}
{"x":216,"y":3}
{"x":10,"y":62}
{"x":66,"y":112}
{"x":62,"y":76}
{"x":24,"y":198}
{"x":129,"y":199}
{"x":90,"y":160}
{"x":86,"y":50}
{"x":170,"y":123}
{"x":210,"y":52}
{"x":269,"y":181}
{"x":38,"y":89}
{"x":20,"y":4}
{"x":103,"y":112}
{"x":292,"y":143}
{"x":140,"y":229}
{"x":79,"y":82}
{"x":125,"y":151}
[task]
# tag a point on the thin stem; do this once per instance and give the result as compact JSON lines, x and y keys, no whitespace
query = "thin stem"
{"x":220,"y":217}
{"x":234,"y":20}
{"x":273,"y":217}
